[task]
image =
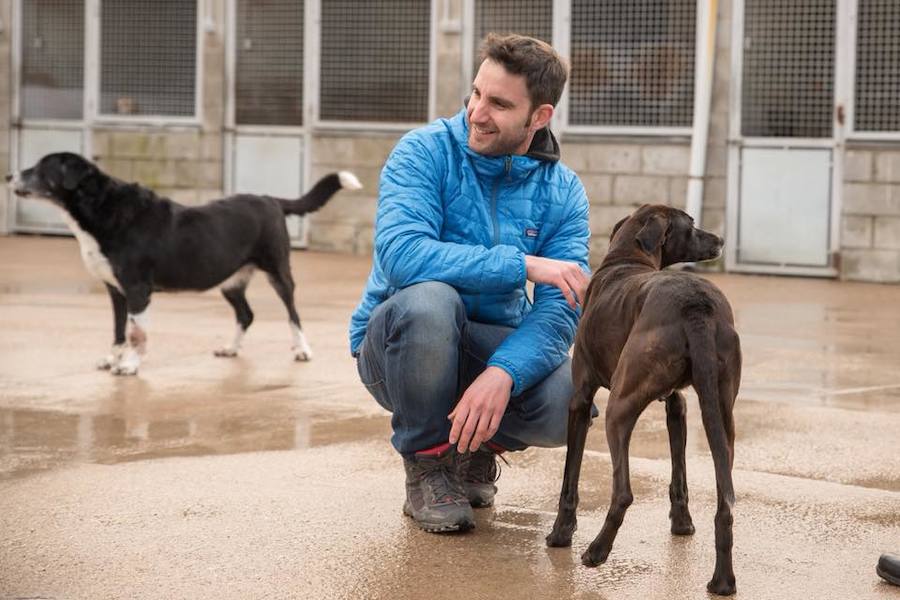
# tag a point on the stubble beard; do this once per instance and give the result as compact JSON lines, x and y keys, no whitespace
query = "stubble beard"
{"x":504,"y":144}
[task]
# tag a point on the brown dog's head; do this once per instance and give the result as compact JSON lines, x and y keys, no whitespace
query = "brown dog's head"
{"x":665,"y":234}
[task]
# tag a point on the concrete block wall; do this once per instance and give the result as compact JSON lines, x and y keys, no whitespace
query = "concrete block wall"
{"x":185,"y":164}
{"x":870,"y":219}
{"x":346,"y":223}
{"x":620,"y":176}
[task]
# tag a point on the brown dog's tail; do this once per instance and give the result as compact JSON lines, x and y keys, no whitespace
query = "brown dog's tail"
{"x":700,"y":328}
{"x":320,"y":193}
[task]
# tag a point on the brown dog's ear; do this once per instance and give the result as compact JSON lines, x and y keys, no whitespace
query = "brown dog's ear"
{"x":652,"y":234}
{"x":617,"y":227}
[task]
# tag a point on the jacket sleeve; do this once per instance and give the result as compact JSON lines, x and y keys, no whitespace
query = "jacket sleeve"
{"x":408,"y":226}
{"x":541,"y":343}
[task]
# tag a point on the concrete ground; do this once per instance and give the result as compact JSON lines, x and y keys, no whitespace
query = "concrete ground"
{"x":259,"y":477}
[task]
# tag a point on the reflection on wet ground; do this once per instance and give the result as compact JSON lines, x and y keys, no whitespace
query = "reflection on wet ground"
{"x":35,"y":440}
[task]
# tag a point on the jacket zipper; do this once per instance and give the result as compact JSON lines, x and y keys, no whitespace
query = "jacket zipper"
{"x":494,"y":217}
{"x":495,"y":220}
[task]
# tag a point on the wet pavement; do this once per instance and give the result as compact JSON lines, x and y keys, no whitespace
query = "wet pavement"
{"x":259,"y":477}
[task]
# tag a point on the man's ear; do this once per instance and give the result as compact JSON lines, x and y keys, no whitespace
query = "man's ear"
{"x":541,"y":116}
{"x":652,"y":234}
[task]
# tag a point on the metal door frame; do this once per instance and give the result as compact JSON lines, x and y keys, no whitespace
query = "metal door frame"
{"x":233,"y":130}
{"x":844,"y":9}
{"x":18,"y":123}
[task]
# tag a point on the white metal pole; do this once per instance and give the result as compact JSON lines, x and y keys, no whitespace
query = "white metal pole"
{"x":706,"y":54}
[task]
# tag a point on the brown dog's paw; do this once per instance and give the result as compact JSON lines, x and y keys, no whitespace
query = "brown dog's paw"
{"x":682,"y":526}
{"x":721,"y":586}
{"x":593,"y":557}
{"x":559,"y":539}
{"x":597,"y":552}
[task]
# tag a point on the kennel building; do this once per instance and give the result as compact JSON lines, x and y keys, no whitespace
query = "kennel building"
{"x":776,"y":124}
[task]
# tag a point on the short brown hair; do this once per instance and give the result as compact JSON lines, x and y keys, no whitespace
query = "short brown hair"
{"x":545,"y":72}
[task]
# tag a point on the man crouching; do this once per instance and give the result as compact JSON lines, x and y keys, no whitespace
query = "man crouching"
{"x":470,"y":208}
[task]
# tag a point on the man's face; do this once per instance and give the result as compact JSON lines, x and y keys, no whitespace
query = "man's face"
{"x":499,"y":112}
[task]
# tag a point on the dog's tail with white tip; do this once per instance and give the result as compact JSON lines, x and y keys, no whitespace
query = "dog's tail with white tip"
{"x":320,"y":193}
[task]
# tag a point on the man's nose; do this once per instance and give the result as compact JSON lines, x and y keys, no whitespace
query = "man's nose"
{"x":479,"y":110}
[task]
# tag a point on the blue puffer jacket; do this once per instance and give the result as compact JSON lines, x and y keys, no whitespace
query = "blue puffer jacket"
{"x":446,"y":213}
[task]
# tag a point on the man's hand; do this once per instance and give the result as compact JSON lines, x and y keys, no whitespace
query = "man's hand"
{"x":567,"y":276}
{"x":477,"y":416}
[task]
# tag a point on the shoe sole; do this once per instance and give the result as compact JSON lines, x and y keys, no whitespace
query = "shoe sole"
{"x":887,"y":576}
{"x":438,"y":527}
{"x":479,"y":503}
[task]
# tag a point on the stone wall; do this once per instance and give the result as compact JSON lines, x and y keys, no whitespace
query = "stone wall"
{"x":184,"y":164}
{"x":870,"y":220}
{"x":620,"y":175}
{"x":346,"y":223}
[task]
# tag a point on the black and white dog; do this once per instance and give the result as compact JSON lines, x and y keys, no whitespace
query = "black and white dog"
{"x":138,"y":243}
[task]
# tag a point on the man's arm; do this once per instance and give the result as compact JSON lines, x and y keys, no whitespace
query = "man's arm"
{"x":408,"y":225}
{"x":541,"y":343}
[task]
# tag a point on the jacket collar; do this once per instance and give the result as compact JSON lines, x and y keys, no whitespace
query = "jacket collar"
{"x":543,"y":149}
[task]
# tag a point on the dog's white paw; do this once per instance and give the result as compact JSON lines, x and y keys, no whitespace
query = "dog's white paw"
{"x":122,"y":369}
{"x":128,"y":365}
{"x":302,"y":354}
{"x":301,"y":349}
{"x":112,"y":359}
{"x":107,"y":362}
{"x":226,"y":352}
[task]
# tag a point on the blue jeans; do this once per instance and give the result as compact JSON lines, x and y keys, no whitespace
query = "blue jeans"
{"x":420,"y":354}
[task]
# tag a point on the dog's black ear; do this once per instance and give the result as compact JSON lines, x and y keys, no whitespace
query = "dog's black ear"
{"x":73,"y":174}
{"x":616,"y":227}
{"x":652,"y":234}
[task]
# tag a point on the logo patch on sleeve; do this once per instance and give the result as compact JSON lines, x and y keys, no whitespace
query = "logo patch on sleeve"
{"x":531,"y":232}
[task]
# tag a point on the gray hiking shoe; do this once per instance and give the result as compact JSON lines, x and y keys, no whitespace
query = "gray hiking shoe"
{"x":480,"y":472}
{"x":435,"y":497}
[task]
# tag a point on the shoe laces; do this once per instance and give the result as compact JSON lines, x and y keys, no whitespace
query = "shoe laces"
{"x":483,"y":466}
{"x":442,"y":479}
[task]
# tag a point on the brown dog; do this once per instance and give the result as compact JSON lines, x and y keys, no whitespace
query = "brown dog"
{"x":644,"y":335}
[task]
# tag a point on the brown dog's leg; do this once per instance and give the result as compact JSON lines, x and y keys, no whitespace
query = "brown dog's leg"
{"x":579,"y":421}
{"x":719,"y":426}
{"x":622,"y":413}
{"x":676,"y":423}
